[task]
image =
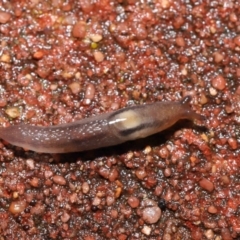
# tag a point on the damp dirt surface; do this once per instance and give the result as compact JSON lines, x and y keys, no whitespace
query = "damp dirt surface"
{"x":62,"y":61}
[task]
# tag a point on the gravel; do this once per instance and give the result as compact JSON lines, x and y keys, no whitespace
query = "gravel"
{"x":61,"y":61}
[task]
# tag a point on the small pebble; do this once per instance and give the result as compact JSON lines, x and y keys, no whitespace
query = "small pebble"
{"x":213,"y":91}
{"x":151,"y":214}
{"x":237,"y":40}
{"x":212,"y":209}
{"x":104,"y":172}
{"x":48,"y":174}
{"x":147,"y":150}
{"x":141,"y":174}
{"x":59,"y":180}
{"x":167,"y":236}
{"x":229,"y":109}
{"x":114,"y":213}
{"x":180,"y":41}
{"x":38,"y":54}
{"x":95,"y":37}
{"x":226,"y":234}
{"x":15,"y":195}
{"x":233,"y":17}
{"x":30,"y":163}
{"x":146,"y":230}
{"x":162,"y":204}
{"x":4,"y":17}
{"x":75,"y":87}
{"x":13,"y":112}
{"x":94,"y":45}
{"x":219,"y":82}
{"x":118,"y":192}
{"x":110,"y":200}
{"x":5,"y":58}
{"x":209,"y":234}
{"x":158,"y":190}
{"x":113,"y":175}
{"x":165,"y":3}
{"x":178,"y":21}
{"x":206,"y":185}
{"x":233,"y":143}
{"x":96,"y":201}
{"x":85,"y":188}
{"x":34,"y":182}
{"x":133,"y":202}
{"x":3,"y":102}
{"x":17,"y":207}
{"x":167,"y":172}
{"x":164,"y":152}
{"x":203,"y":99}
{"x":225,"y":179}
{"x":65,"y":217}
{"x":79,"y":30}
{"x":99,"y":56}
{"x":218,"y":57}
{"x":90,"y":91}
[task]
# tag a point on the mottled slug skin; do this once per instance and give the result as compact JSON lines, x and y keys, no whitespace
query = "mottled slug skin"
{"x":72,"y":137}
{"x":100,"y":131}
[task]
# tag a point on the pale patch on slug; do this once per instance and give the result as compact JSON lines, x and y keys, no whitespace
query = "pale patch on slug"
{"x":126,"y":120}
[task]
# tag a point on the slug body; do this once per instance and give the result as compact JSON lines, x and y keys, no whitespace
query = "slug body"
{"x":100,"y":131}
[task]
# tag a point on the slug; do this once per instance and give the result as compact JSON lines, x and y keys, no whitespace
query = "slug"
{"x":100,"y":131}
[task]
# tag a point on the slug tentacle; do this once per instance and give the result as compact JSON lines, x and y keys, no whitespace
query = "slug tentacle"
{"x":189,"y":113}
{"x":100,"y":131}
{"x":186,"y":100}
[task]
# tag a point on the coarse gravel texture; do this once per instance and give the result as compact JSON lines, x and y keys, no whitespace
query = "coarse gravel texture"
{"x":62,"y":61}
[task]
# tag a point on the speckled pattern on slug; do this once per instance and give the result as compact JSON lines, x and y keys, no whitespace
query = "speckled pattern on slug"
{"x":65,"y":137}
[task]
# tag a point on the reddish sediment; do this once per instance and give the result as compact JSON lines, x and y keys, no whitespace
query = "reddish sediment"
{"x":62,"y":61}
